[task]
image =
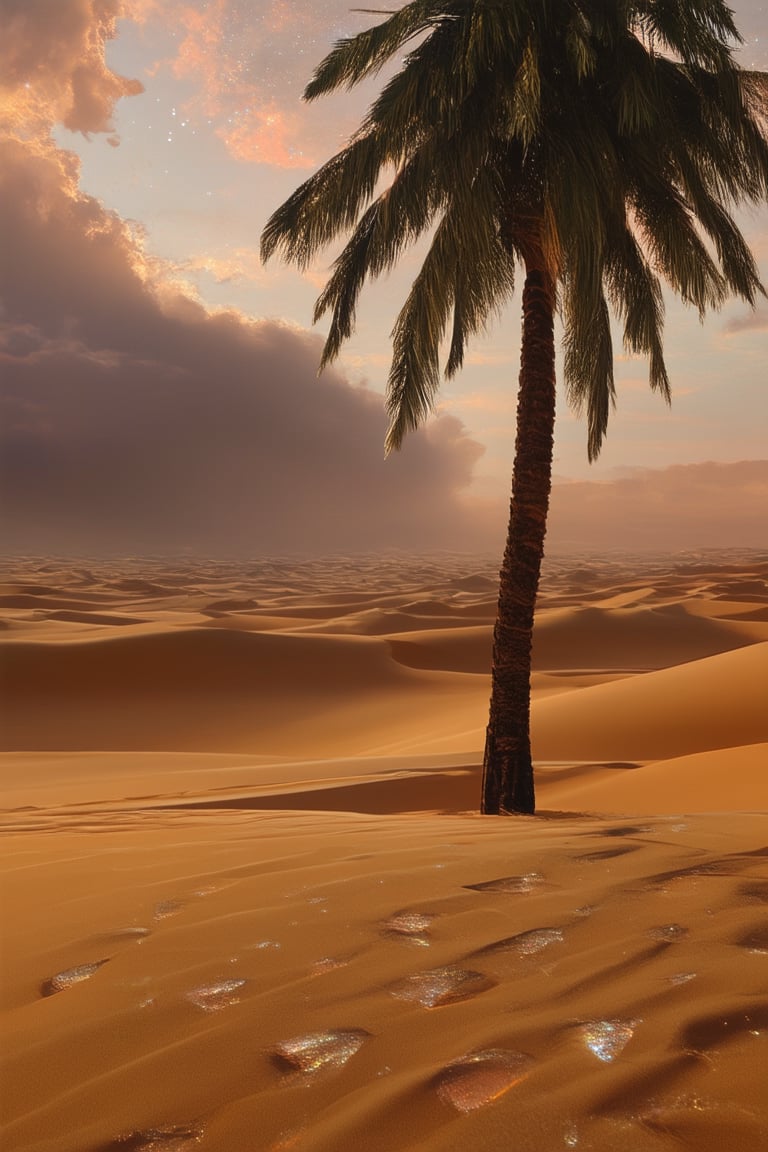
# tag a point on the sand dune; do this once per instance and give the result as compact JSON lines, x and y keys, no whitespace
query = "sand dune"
{"x":220,"y":689}
{"x":385,"y":621}
{"x":249,"y":904}
{"x":607,"y":637}
{"x":635,"y":637}
{"x":658,"y":715}
{"x":454,"y":649}
{"x":722,"y":780}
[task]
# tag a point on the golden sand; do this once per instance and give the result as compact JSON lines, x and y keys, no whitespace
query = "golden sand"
{"x":249,"y":905}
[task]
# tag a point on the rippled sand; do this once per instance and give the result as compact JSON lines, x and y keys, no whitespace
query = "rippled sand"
{"x":249,"y":904}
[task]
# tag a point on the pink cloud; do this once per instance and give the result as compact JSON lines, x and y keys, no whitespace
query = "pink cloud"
{"x":249,"y":66}
{"x":268,"y":135}
{"x":53,"y":70}
{"x":232,"y":91}
{"x":705,"y":505}
{"x":755,"y":321}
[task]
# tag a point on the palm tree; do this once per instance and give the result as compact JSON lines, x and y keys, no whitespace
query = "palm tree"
{"x":597,"y":145}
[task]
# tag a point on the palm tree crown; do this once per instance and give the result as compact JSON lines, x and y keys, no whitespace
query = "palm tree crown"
{"x":623,"y":132}
{"x":599,"y":145}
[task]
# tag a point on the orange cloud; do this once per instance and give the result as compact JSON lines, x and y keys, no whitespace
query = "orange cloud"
{"x":281,"y":14}
{"x":247,"y":117}
{"x":53,"y":68}
{"x":251,"y":122}
{"x":237,"y":265}
{"x":140,"y":11}
{"x":249,"y":65}
{"x":202,"y":43}
{"x":267,"y":135}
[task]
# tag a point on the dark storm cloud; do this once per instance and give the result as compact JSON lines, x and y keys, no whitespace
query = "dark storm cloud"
{"x":133,"y":419}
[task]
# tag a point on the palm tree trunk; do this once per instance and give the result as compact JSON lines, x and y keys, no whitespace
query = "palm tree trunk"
{"x":507,"y":765}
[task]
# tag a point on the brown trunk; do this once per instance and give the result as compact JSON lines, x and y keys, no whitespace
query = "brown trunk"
{"x":507,"y":765}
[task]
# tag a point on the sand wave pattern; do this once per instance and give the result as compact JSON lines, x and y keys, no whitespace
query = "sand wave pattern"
{"x":249,"y":904}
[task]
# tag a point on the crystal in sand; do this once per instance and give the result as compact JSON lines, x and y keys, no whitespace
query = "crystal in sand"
{"x":408,"y":923}
{"x":516,"y":884}
{"x":607,"y":1038}
{"x":682,"y":977}
{"x":329,"y":964}
{"x":214,"y":997}
{"x":480,"y":1077}
{"x":70,"y":976}
{"x":441,"y":986}
{"x":525,"y":943}
{"x":409,"y":927}
{"x":317,"y":1050}
{"x":158,"y":1140}
{"x":167,"y":908}
{"x":668,"y":932}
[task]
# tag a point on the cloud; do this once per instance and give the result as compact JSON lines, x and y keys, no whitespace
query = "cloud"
{"x":754,"y":321}
{"x":52,"y":66}
{"x":134,"y":420}
{"x":249,"y":65}
{"x":236,"y":266}
{"x":695,"y":506}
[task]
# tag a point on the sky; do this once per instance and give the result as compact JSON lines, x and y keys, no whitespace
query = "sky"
{"x":159,"y":385}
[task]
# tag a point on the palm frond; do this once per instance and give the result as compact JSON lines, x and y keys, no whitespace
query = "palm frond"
{"x":430,"y":89}
{"x":699,"y":32}
{"x":355,"y":57}
{"x":668,"y":229}
{"x":398,"y":216}
{"x":579,"y":46}
{"x":526,"y":103}
{"x":754,"y":87}
{"x":637,"y":103}
{"x":414,"y":376}
{"x":636,"y":297}
{"x":467,"y":271}
{"x":485,"y":275}
{"x":328,"y":202}
{"x":588,"y":362}
{"x":738,"y":265}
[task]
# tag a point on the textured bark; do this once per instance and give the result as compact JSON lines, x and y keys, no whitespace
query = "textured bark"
{"x":507,"y":767}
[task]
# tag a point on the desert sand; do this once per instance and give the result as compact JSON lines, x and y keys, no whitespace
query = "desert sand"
{"x":248,"y":902}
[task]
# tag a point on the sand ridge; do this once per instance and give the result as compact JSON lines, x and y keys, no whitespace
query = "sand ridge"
{"x":249,"y":903}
